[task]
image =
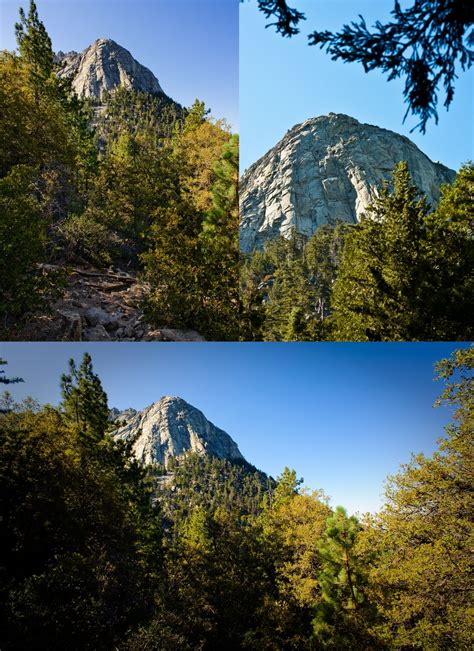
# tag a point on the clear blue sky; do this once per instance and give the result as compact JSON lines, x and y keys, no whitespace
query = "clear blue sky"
{"x":190,"y":45}
{"x":284,"y":82}
{"x":343,"y":415}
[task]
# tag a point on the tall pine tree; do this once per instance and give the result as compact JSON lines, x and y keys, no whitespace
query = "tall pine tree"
{"x":84,"y":400}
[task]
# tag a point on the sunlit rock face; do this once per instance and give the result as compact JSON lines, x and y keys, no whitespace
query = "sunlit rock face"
{"x":326,"y":169}
{"x":170,"y":428}
{"x":104,"y":66}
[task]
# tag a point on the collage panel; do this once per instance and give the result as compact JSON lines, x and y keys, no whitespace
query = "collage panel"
{"x":236,"y":496}
{"x":356,"y":189}
{"x":119,"y":170}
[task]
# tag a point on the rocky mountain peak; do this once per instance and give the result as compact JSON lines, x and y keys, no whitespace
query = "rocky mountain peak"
{"x":102,"y":67}
{"x":171,"y":427}
{"x":326,"y":169}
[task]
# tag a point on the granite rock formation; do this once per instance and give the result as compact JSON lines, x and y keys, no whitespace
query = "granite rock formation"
{"x":104,"y":66}
{"x":326,"y":169}
{"x":171,"y":428}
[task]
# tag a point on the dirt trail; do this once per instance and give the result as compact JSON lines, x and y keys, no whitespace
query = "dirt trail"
{"x":99,"y":305}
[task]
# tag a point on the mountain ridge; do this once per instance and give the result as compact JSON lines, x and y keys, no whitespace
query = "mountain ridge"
{"x":171,"y":427}
{"x":104,"y":66}
{"x":325,"y":169}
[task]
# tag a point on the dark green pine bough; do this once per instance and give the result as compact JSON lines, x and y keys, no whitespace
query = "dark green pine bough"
{"x":423,"y":44}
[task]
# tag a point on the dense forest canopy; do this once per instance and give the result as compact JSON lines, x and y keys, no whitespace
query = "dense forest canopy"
{"x":103,"y":553}
{"x":139,"y":184}
{"x":403,"y":273}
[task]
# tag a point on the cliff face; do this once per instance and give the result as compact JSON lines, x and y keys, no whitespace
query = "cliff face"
{"x":170,"y":428}
{"x":326,"y":169}
{"x":103,"y":66}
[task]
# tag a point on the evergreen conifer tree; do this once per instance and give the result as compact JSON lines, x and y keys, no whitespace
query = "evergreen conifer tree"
{"x":387,"y":283}
{"x":422,"y":580}
{"x":34,"y":43}
{"x":84,"y":400}
{"x":339,"y":622}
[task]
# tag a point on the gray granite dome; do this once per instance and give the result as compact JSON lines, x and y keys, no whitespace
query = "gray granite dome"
{"x":104,"y":66}
{"x":170,"y":428}
{"x":326,"y":169}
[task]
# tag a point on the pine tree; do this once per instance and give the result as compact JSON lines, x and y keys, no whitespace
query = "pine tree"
{"x":220,"y":224}
{"x":22,"y":228}
{"x":286,"y":487}
{"x":84,"y":400}
{"x":422,"y":580}
{"x":34,"y":43}
{"x":386,"y":283}
{"x":338,"y":622}
{"x":450,"y":257}
{"x":220,"y":248}
{"x":290,"y":298}
{"x":322,"y":255}
{"x":79,"y":533}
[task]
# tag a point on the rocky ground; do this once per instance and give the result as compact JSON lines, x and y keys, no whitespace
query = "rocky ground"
{"x":99,"y":305}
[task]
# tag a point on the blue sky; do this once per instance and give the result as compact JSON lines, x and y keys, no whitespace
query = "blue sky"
{"x":284,"y":82}
{"x":190,"y":45}
{"x":343,"y":415}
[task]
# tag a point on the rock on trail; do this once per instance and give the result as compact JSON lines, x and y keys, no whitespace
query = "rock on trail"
{"x":99,"y":305}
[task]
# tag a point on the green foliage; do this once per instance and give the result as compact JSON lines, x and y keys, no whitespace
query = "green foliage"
{"x":285,"y":289}
{"x":243,"y":561}
{"x":402,"y":274}
{"x":84,"y":400}
{"x":287,"y":18}
{"x":8,"y":380}
{"x":173,"y":265}
{"x":131,"y":111}
{"x":34,"y":43}
{"x":196,"y":117}
{"x":23,"y":235}
{"x":46,"y":151}
{"x":84,"y":237}
{"x":339,"y":618}
{"x":131,"y":182}
{"x":78,"y":534}
{"x":286,"y":488}
{"x":192,"y":262}
{"x":290,"y":299}
{"x":220,"y":247}
{"x":395,"y":280}
{"x":422,"y":578}
{"x":216,"y":484}
{"x":450,"y":255}
{"x":423,"y":43}
{"x":380,"y":285}
{"x":220,"y":221}
{"x":134,"y":181}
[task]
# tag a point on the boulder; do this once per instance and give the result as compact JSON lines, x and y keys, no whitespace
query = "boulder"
{"x":97,"y":333}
